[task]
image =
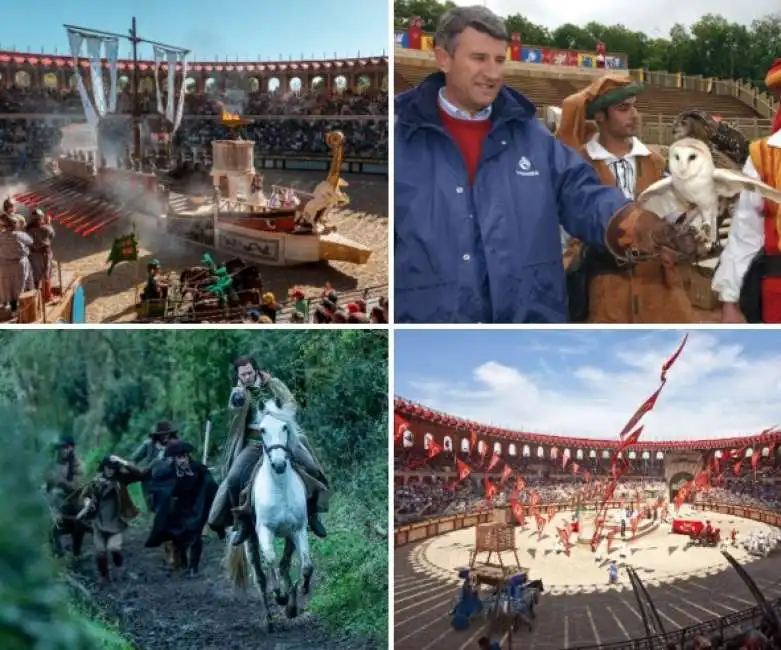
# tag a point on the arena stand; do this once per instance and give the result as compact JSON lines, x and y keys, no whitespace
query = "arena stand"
{"x":431,"y":500}
{"x":291,"y":104}
{"x":666,"y":95}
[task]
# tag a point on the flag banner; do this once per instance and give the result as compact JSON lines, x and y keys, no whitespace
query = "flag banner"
{"x":124,"y":249}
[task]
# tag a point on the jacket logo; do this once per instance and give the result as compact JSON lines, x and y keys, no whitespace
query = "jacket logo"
{"x":525,"y":168}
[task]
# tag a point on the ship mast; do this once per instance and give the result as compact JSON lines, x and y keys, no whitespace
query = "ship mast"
{"x":135,"y":90}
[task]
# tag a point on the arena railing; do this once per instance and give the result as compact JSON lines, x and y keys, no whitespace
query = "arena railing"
{"x":418,"y":531}
{"x":727,"y":627}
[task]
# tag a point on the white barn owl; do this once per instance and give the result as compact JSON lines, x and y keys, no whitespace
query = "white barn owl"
{"x":695,"y":187}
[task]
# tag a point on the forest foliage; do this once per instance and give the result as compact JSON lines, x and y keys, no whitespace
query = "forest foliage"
{"x":711,"y":47}
{"x":107,"y":388}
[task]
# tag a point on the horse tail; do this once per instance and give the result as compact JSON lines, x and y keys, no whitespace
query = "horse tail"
{"x":236,"y":563}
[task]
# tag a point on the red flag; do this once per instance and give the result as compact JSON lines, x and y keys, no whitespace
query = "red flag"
{"x":737,"y":468}
{"x":483,"y":452}
{"x":644,"y":408}
{"x":506,"y":472}
{"x":490,"y":489}
{"x":494,"y":461}
{"x":463,"y":470}
{"x":472,"y":440}
{"x":631,"y":439}
{"x":400,"y":425}
{"x":518,"y":512}
{"x":702,"y":480}
{"x":668,"y":364}
{"x":755,"y":458}
{"x":575,"y":468}
{"x":433,"y":448}
{"x":564,"y":458}
{"x":587,"y":476}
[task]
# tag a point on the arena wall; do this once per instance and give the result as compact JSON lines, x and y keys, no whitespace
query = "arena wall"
{"x":434,"y":527}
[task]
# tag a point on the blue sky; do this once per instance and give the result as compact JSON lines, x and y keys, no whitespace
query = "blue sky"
{"x":652,"y":18}
{"x":266,"y":29}
{"x":588,"y":383}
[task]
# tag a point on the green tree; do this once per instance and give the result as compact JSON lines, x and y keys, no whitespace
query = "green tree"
{"x":108,"y":388}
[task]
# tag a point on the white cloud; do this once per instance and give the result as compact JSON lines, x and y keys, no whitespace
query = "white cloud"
{"x":714,"y":390}
{"x":653,"y":18}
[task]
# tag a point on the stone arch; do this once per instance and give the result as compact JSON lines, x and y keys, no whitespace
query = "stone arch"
{"x":677,"y":481}
{"x":50,"y":80}
{"x":190,"y":85}
{"x":579,"y":454}
{"x":148,"y":85}
{"x":295,"y":84}
{"x":592,"y":453}
{"x":427,"y":440}
{"x":447,"y":443}
{"x":253,"y":83}
{"x":465,"y":445}
{"x":540,"y":452}
{"x":273,"y":85}
{"x":340,"y":83}
{"x":22,"y":79}
{"x":512,"y":449}
{"x":317,"y":83}
{"x":554,"y":453}
{"x":408,"y":440}
{"x":526,"y":452}
{"x":498,"y":448}
{"x":363,"y":83}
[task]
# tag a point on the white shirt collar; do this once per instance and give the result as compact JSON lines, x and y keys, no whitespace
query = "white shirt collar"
{"x":597,"y":152}
{"x":775,"y":140}
{"x":451,"y":109}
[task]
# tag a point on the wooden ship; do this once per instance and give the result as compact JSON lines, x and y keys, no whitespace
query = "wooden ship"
{"x":289,"y":228}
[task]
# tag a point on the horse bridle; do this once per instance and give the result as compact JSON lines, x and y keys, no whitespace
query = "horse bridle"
{"x":269,"y":448}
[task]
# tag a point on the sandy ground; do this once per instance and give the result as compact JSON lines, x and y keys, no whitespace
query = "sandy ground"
{"x":111,"y":299}
{"x":658,"y":557}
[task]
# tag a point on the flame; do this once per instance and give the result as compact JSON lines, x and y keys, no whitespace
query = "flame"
{"x":230,"y":117}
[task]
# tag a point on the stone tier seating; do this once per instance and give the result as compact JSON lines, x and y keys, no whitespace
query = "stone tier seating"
{"x":544,"y":91}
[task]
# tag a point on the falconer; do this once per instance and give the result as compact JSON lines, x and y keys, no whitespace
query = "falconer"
{"x":602,"y":289}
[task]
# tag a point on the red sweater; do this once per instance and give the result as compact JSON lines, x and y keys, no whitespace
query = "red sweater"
{"x":469,"y":136}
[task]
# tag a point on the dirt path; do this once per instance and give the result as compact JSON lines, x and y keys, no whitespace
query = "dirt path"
{"x":157,"y":611}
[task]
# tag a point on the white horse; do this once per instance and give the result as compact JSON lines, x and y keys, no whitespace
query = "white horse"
{"x":280,"y":510}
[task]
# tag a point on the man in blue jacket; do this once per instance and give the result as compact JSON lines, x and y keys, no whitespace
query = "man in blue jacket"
{"x":482,"y":188}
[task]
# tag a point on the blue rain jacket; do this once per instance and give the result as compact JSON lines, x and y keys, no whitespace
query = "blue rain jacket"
{"x":489,"y":252}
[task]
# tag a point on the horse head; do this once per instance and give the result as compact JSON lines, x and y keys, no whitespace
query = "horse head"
{"x":279,"y":435}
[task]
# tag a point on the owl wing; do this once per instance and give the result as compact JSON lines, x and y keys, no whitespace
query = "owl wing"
{"x":729,"y":182}
{"x":661,"y":198}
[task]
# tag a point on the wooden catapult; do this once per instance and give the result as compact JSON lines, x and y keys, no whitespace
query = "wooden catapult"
{"x":497,"y":537}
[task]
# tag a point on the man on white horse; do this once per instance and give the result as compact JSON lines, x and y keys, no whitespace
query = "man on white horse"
{"x":245,"y":453}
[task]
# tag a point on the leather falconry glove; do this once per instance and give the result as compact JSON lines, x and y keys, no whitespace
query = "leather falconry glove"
{"x":634,"y":232}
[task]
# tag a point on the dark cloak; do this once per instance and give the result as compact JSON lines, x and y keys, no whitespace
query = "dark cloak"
{"x":181,"y":503}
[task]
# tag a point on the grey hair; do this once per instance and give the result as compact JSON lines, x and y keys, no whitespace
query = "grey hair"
{"x":455,"y":21}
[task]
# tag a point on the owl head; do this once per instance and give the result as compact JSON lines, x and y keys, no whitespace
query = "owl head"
{"x":690,"y":158}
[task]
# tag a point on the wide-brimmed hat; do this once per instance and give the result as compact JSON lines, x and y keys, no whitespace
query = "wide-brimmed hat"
{"x":107,"y":462}
{"x":163,"y":428}
{"x":178,"y":448}
{"x":66,"y":441}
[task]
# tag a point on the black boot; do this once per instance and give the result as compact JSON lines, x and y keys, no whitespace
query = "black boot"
{"x":101,"y":559}
{"x":242,"y":518}
{"x":195,"y":556}
{"x":243,"y":526}
{"x":315,"y":525}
